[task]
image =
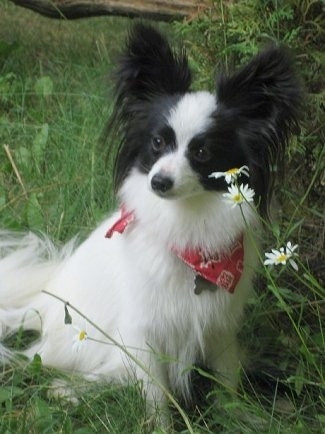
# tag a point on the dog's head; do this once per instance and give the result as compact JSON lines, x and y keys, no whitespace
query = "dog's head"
{"x":176,"y":138}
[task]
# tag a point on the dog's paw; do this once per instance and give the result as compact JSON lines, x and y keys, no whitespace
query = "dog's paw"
{"x":61,"y":390}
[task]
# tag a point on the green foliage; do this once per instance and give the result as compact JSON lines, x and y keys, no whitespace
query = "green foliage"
{"x":229,"y":33}
{"x":27,"y":405}
{"x":52,"y":110}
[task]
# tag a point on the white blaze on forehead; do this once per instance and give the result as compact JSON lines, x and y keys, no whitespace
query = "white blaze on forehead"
{"x":191,"y":116}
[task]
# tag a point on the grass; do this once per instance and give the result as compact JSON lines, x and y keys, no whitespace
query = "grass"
{"x":54,"y":102}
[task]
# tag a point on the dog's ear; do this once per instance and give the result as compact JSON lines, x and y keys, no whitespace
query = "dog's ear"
{"x":265,"y":89}
{"x":262,"y":101}
{"x":150,"y":67}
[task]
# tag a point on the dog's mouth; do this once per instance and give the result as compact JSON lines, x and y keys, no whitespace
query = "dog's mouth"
{"x":176,"y":194}
{"x":166,"y":195}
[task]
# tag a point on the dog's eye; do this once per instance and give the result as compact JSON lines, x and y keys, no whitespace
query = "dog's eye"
{"x":201,"y":154}
{"x":158,"y":144}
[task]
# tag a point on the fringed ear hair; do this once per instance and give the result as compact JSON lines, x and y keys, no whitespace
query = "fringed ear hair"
{"x":150,"y":67}
{"x":263,"y":99}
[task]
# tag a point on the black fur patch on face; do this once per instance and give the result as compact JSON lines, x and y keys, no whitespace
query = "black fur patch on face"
{"x":217,"y":150}
{"x":157,"y":142}
{"x":147,"y":124}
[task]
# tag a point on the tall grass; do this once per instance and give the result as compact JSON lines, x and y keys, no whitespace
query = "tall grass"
{"x":54,"y":101}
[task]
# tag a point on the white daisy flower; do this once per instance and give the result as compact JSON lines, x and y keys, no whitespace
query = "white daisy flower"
{"x":282,"y":256}
{"x":237,"y":195}
{"x":231,"y":175}
{"x":79,"y":339}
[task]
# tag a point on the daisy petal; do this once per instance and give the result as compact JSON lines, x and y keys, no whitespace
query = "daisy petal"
{"x":293,"y":264}
{"x":217,"y":175}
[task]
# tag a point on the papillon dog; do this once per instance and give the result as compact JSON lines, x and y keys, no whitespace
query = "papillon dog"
{"x":160,"y":286}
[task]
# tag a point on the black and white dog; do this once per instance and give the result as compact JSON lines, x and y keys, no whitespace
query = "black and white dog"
{"x":169,"y":281}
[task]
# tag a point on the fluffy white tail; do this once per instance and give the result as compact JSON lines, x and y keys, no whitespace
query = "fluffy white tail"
{"x":27,"y":264}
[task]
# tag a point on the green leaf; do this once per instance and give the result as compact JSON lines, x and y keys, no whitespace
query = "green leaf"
{"x":2,"y":201}
{"x":39,"y":143}
{"x":23,"y":155}
{"x":299,"y":379}
{"x":3,"y":198}
{"x":44,"y":86}
{"x":276,"y":230}
{"x":8,"y":393}
{"x":34,"y":214}
{"x":35,"y":366}
{"x":43,"y":415}
{"x":288,"y":294}
{"x":67,"y":316}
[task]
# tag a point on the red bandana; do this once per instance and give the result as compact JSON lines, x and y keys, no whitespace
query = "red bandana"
{"x":223,"y":271}
{"x":122,"y":223}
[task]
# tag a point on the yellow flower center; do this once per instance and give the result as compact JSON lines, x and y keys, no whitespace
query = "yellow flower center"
{"x":282,"y":257}
{"x":232,"y":171}
{"x":82,"y":335}
{"x":237,"y":197}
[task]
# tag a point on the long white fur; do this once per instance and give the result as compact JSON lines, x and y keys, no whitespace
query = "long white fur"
{"x":132,"y":285}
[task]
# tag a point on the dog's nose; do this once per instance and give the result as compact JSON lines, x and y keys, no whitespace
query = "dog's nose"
{"x":161,"y":183}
